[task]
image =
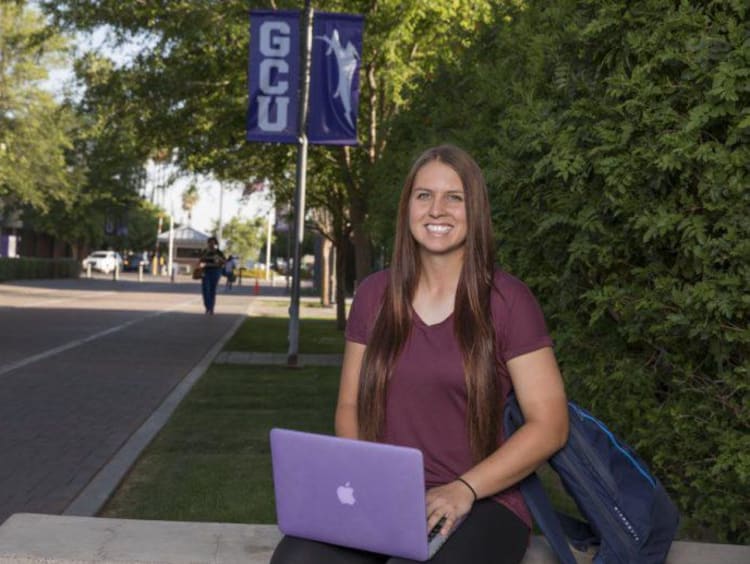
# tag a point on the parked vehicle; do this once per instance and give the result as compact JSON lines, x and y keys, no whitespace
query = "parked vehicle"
{"x":133,"y":261}
{"x":103,"y":261}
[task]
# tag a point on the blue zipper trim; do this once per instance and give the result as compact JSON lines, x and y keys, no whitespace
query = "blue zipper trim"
{"x":600,"y":506}
{"x":612,"y":438}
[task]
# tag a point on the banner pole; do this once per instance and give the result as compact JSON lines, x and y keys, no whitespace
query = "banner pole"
{"x":299,"y":195}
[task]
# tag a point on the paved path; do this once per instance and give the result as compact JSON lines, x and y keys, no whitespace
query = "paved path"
{"x":83,"y":364}
{"x":265,"y":358}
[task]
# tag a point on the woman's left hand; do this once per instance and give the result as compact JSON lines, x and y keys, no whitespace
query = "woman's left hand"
{"x":452,"y":501}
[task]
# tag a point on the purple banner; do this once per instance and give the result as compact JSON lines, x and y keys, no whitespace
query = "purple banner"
{"x":334,"y":79}
{"x":273,"y":76}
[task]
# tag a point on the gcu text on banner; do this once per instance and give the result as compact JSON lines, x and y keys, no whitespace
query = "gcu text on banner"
{"x":274,"y":76}
{"x":334,"y":80}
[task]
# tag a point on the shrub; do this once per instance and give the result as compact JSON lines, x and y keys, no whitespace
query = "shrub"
{"x":28,"y":268}
{"x":615,"y":137}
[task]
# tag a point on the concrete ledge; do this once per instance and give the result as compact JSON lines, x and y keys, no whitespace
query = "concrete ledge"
{"x":31,"y":538}
{"x":27,"y":538}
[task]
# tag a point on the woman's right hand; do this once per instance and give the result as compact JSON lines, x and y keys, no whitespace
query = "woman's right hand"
{"x":452,"y":501}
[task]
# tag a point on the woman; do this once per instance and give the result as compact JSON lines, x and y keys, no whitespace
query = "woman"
{"x":433,"y":347}
{"x":211,"y":261}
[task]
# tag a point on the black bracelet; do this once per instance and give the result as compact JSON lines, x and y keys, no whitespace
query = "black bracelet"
{"x":468,"y":485}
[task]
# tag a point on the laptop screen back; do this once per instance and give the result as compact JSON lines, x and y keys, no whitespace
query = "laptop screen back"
{"x":358,"y":494}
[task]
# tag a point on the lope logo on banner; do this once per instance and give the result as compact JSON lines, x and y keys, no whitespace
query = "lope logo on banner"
{"x":274,"y":78}
{"x":334,"y":82}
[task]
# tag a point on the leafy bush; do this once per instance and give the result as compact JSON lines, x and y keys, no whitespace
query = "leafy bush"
{"x":252,"y":273}
{"x":28,"y":268}
{"x":615,"y":138}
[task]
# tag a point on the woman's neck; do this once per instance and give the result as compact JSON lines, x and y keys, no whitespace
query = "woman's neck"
{"x":435,"y":295}
{"x":440,"y":274}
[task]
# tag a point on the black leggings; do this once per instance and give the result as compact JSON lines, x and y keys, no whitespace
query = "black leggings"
{"x":490,"y":534}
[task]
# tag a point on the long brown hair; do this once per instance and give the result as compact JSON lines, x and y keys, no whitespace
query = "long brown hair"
{"x":472,"y":320}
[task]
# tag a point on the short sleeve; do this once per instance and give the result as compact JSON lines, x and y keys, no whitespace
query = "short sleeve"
{"x":365,"y":307}
{"x":519,"y":320}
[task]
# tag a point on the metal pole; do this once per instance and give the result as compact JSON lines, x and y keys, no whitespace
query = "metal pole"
{"x":269,"y":234}
{"x":287,"y":269}
{"x":299,"y":195}
{"x":170,"y":261}
{"x":220,"y":234}
{"x":155,"y":265}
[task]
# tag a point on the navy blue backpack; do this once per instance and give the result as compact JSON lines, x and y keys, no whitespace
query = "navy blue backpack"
{"x":630,"y":516}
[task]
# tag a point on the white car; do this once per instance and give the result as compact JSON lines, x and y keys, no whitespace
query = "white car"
{"x":104,"y":261}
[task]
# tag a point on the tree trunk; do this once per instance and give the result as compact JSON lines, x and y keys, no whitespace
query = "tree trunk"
{"x":325,"y":274}
{"x":360,"y":239}
{"x":341,"y":282}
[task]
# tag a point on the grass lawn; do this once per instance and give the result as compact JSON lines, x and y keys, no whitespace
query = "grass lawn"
{"x":270,"y":334}
{"x":211,"y":462}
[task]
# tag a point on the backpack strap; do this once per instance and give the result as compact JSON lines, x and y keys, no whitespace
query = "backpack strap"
{"x":578,"y":532}
{"x":534,"y":495}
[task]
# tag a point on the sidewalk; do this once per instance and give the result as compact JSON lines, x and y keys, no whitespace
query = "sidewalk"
{"x":234,"y":357}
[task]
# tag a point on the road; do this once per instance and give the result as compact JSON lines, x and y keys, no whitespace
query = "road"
{"x":83,"y":363}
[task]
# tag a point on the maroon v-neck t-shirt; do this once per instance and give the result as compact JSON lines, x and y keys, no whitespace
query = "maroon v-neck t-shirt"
{"x":426,"y":397}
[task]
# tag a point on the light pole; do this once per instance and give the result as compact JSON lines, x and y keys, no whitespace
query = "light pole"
{"x":299,"y":195}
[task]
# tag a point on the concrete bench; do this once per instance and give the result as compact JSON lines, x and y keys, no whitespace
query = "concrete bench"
{"x":27,"y":538}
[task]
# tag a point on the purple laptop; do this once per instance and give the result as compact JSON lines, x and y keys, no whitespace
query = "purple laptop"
{"x":359,"y":494}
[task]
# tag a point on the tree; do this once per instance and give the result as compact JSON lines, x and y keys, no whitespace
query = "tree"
{"x":190,"y":87}
{"x":142,"y":220}
{"x":108,"y":162}
{"x":614,"y":136}
{"x":34,"y":128}
{"x":244,"y":238}
{"x":190,"y":198}
{"x":72,"y":168}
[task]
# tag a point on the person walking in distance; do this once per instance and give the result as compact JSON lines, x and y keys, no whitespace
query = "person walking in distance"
{"x":229,"y":267}
{"x":211,"y":261}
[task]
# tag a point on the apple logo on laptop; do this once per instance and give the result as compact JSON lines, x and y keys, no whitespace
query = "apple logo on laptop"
{"x":345,"y":494}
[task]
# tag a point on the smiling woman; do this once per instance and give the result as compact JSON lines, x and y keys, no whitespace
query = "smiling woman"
{"x":434,"y":346}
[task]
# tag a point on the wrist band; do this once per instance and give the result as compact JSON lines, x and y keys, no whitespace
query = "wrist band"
{"x":468,"y":485}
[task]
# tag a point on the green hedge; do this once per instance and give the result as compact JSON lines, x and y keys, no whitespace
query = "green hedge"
{"x":616,"y":140}
{"x":27,"y":268}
